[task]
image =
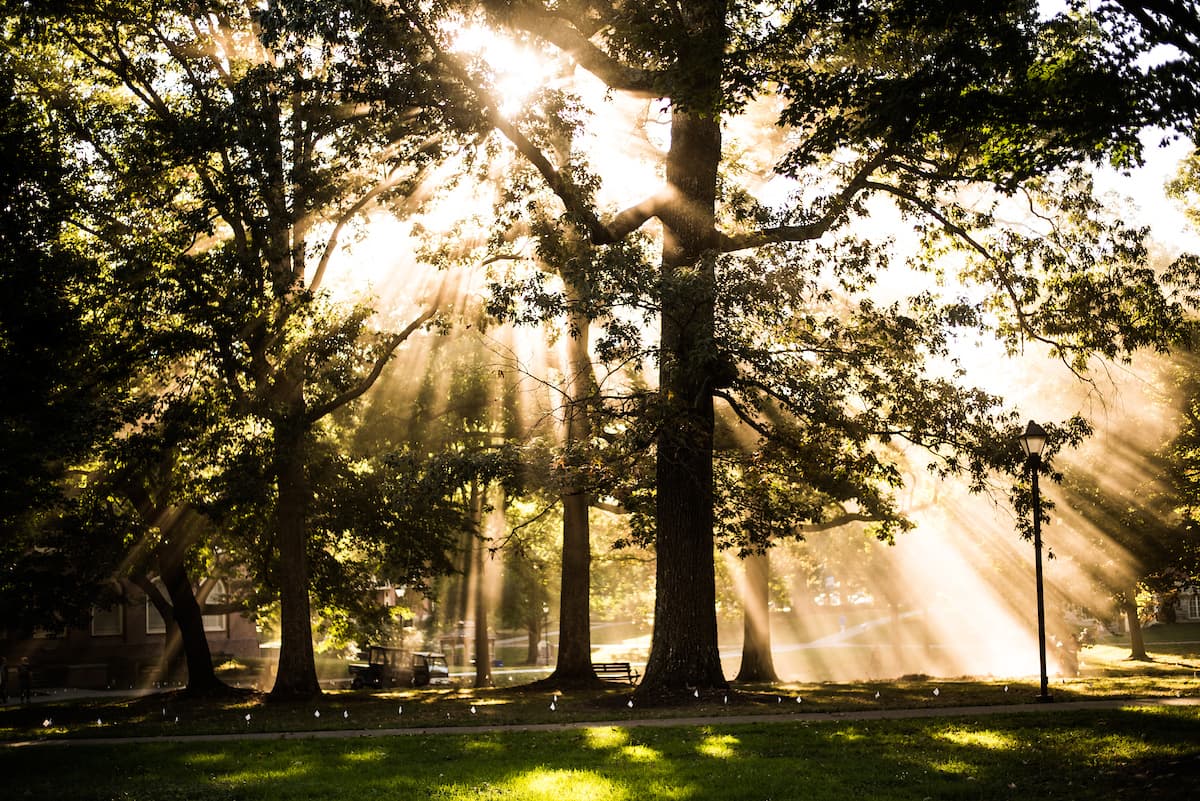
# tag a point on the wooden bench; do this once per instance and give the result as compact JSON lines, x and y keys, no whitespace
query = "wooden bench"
{"x":615,"y":670}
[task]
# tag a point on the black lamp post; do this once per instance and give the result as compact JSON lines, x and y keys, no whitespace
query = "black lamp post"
{"x":1032,"y":442}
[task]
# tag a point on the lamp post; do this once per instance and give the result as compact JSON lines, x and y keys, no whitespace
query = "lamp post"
{"x":1032,"y":442}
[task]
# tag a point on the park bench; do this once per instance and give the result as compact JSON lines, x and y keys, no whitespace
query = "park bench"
{"x":615,"y":670}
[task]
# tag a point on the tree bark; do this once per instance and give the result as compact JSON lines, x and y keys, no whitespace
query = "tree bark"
{"x":296,"y":676}
{"x":1137,"y":644}
{"x":188,"y":619}
{"x":574,"y":663}
{"x":683,"y":650}
{"x":533,"y":637}
{"x":483,"y":661}
{"x":185,"y":639}
{"x":758,"y":664}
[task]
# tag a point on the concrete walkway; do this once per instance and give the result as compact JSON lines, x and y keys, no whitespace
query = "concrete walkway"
{"x":724,"y":720}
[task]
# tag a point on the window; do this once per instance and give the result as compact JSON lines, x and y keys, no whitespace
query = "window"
{"x":108,"y":622}
{"x":1194,"y":607}
{"x":216,"y":596}
{"x":156,"y":625}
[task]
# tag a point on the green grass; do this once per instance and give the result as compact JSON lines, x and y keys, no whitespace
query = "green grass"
{"x":169,"y":713}
{"x":1112,"y":754}
{"x":1170,"y":633}
{"x":1107,"y":674}
{"x":1051,"y":753}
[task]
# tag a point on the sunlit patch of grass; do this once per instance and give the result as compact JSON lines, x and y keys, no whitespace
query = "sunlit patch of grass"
{"x":718,"y":746}
{"x":663,"y":789}
{"x":205,"y":759}
{"x":565,"y":785}
{"x":486,"y":701}
{"x":365,"y":755}
{"x":481,"y":746}
{"x":850,"y":735}
{"x":607,"y":738}
{"x":257,"y":775}
{"x":954,"y":767}
{"x":640,"y":753}
{"x":980,"y":738}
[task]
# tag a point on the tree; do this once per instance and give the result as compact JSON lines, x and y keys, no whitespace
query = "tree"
{"x":576,"y":292}
{"x":77,"y":351}
{"x":585,"y":461}
{"x":65,"y":355}
{"x":456,"y":415}
{"x":1171,"y":28}
{"x":763,"y":497}
{"x":250,"y":138}
{"x":1145,"y":536}
{"x":914,"y":102}
{"x":1141,"y":534}
{"x":532,"y":552}
{"x":758,"y":663}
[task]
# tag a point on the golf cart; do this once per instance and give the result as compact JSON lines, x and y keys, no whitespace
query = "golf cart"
{"x":396,"y":667}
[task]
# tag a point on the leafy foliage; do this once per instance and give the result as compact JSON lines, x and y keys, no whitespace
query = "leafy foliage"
{"x":222,"y":152}
{"x":65,"y":358}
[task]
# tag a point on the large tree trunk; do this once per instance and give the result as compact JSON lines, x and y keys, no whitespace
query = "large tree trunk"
{"x":757,"y":662}
{"x":185,"y":640}
{"x":683,"y":650}
{"x":574,"y":663}
{"x":1137,"y":644}
{"x":171,"y":663}
{"x":188,"y":618}
{"x":296,"y":677}
{"x":483,"y":660}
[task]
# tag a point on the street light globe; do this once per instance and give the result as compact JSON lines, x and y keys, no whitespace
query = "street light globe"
{"x":1033,"y":440}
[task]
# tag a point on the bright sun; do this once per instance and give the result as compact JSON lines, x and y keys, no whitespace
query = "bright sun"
{"x":518,"y":70}
{"x":622,"y":140}
{"x":624,"y":137}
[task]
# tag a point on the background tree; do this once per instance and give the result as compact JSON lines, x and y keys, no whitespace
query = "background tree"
{"x":1170,"y":28}
{"x":546,"y":273}
{"x":65,"y":359}
{"x":532,"y":558}
{"x":1135,"y":515}
{"x":246,"y":129}
{"x":1141,"y":526}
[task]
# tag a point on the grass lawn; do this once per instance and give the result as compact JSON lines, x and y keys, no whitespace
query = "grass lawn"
{"x":1111,"y":754}
{"x":1051,"y":753}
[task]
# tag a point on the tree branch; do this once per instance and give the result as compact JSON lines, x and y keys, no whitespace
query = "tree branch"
{"x":331,"y":242}
{"x":1172,"y":25}
{"x":577,"y":206}
{"x":838,"y":207}
{"x":841,"y":520}
{"x":535,"y":19}
{"x":381,"y":361}
{"x":1023,"y":318}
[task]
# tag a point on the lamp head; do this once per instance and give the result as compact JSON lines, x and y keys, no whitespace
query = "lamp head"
{"x":1033,"y":440}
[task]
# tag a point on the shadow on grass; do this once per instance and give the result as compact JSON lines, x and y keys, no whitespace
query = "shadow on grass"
{"x":171,"y":714}
{"x":1145,"y":754}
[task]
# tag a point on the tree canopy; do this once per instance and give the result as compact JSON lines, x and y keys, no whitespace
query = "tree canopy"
{"x":785,"y":355}
{"x":953,"y":114}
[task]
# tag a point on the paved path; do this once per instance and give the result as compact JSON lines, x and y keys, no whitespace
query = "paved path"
{"x":724,"y":720}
